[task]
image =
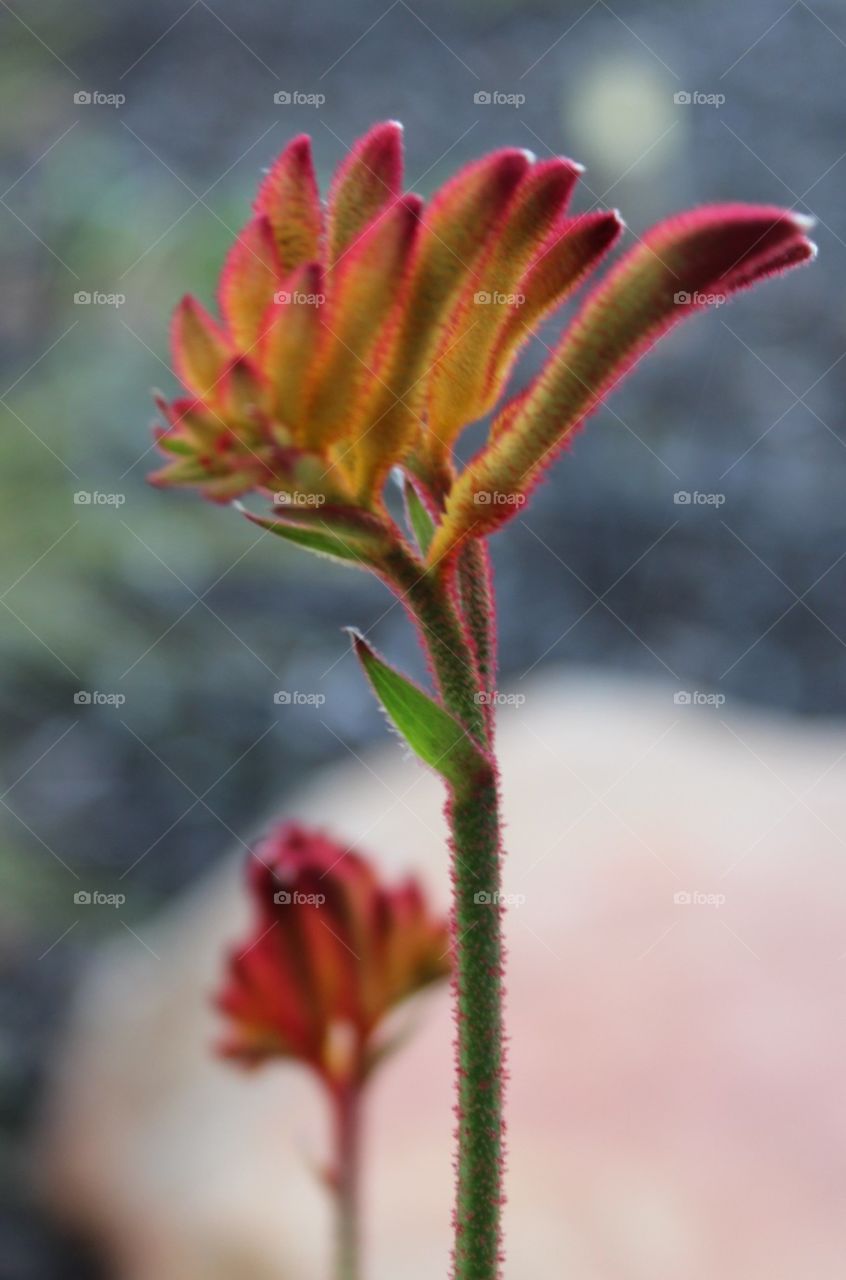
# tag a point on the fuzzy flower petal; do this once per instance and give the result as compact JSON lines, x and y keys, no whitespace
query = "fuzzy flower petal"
{"x":690,"y":261}
{"x":369,"y":180}
{"x":289,"y":200}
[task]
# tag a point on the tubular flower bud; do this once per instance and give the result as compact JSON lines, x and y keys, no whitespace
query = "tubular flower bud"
{"x":331,"y":952}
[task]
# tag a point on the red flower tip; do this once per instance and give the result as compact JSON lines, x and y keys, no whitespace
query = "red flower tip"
{"x":332,"y":951}
{"x":723,"y":248}
{"x":369,"y":178}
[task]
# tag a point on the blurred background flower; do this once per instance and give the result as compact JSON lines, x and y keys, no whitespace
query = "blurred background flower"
{"x":331,"y":954}
{"x":695,"y":532}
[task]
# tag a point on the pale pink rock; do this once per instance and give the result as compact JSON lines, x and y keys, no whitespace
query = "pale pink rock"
{"x":677,"y":1104}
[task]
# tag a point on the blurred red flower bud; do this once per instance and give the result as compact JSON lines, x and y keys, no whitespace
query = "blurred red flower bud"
{"x":331,"y":952}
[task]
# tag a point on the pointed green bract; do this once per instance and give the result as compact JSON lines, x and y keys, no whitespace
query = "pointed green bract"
{"x":422,"y":524}
{"x":354,"y":540}
{"x":432,"y":733}
{"x":317,"y":540}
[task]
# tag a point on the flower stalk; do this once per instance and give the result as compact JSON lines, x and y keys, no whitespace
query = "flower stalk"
{"x":332,"y":952}
{"x":360,"y":338}
{"x":478,"y":987}
{"x":472,"y":811}
{"x":347,"y":1103}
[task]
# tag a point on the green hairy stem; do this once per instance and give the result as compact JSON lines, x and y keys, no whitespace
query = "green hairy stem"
{"x":347,"y":1108}
{"x":457,"y":648}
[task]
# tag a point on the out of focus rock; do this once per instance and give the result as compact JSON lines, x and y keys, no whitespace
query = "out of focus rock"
{"x":676,"y":1009}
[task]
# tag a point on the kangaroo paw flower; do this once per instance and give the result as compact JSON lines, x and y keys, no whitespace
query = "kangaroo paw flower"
{"x":369,"y":337}
{"x":354,"y":341}
{"x":331,"y":953}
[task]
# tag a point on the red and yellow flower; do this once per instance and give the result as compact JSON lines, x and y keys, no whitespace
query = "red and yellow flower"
{"x":368,"y":335}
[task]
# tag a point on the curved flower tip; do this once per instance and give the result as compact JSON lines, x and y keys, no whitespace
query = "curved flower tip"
{"x":331,"y":952}
{"x":689,"y":262}
{"x":290,"y":201}
{"x":370,"y":178}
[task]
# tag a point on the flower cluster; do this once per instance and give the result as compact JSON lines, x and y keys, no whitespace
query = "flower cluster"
{"x":369,"y":334}
{"x":331,"y":952}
